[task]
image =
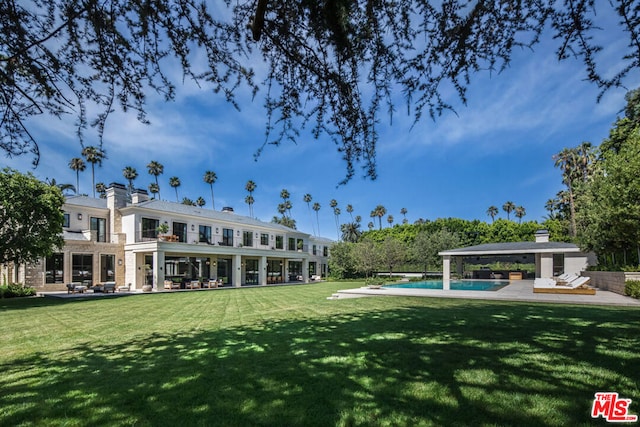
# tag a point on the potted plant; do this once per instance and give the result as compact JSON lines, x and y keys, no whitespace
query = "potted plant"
{"x":162,"y":230}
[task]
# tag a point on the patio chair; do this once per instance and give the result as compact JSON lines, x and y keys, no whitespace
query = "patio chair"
{"x":194,"y":284}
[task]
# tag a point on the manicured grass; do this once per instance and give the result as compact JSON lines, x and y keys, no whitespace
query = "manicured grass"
{"x":288,"y":356}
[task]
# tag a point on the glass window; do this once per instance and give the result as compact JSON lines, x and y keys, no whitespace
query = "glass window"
{"x":66,"y":220}
{"x":292,"y":244}
{"x":314,"y":250}
{"x":54,"y":265}
{"x":82,"y":268}
{"x":204,"y":234}
{"x":264,"y":239}
{"x":180,"y":230}
{"x":279,"y":242}
{"x":247,"y":238}
{"x":107,"y":268}
{"x":299,"y":244}
{"x":227,"y":237}
{"x":99,"y":226}
{"x":325,"y":251}
{"x":149,"y":228}
{"x":251,"y":276}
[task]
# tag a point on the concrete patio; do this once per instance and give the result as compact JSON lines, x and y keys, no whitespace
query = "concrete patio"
{"x":521,"y":290}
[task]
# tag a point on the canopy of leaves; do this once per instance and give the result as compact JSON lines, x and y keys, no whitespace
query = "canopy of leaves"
{"x":31,"y":218}
{"x":331,"y":65}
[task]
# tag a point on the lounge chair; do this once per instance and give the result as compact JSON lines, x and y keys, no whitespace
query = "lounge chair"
{"x":551,"y":286}
{"x":74,"y":287}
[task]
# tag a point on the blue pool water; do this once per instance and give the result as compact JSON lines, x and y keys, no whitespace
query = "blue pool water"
{"x":456,"y":285}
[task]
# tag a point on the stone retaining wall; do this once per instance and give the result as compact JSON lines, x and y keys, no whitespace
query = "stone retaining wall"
{"x":612,"y":281}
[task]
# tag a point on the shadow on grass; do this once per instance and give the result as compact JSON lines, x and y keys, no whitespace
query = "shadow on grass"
{"x":463,"y":364}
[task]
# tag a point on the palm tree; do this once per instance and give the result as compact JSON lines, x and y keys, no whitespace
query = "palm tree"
{"x":390,"y":219}
{"x":249,"y":200}
{"x":200,"y":201}
{"x":130,"y":173}
{"x":519,"y":213}
{"x":93,"y":155}
{"x":63,"y":187}
{"x":567,"y":161}
{"x":174,"y":182}
{"x":250,"y":186}
{"x":492,"y":211}
{"x":351,"y":232}
{"x":316,"y":207}
{"x":336,"y":213}
{"x":155,"y":169}
{"x":154,"y":189}
{"x":403,"y":212}
{"x":358,"y":219}
{"x":78,"y":165}
{"x":379,"y":212}
{"x":187,"y":201}
{"x":101,"y":189}
{"x":284,"y":195}
{"x":350,"y":211}
{"x":210,"y":178}
{"x":550,"y":207}
{"x":508,"y":207}
{"x":307,"y":199}
{"x":370,"y":225}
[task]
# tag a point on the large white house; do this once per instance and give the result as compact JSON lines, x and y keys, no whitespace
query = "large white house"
{"x":119,"y":239}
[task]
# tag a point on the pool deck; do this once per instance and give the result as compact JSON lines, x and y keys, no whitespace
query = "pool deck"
{"x":521,"y":290}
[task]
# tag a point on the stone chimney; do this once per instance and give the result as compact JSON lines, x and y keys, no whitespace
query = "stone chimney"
{"x":139,"y":195}
{"x":542,"y":236}
{"x":116,"y":199}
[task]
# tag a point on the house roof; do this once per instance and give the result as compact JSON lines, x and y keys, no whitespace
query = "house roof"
{"x":86,"y":201}
{"x":514,"y":248}
{"x":196,"y":211}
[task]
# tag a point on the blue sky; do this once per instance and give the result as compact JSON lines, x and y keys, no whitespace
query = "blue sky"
{"x":497,"y":148}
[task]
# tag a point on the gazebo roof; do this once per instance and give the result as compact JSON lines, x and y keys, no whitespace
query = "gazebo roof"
{"x":513,"y":248}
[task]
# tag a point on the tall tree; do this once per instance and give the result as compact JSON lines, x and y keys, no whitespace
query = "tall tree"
{"x":130,"y":173}
{"x":307,"y":199}
{"x":31,"y":218}
{"x":93,"y":155}
{"x":284,"y":195}
{"x":520,"y":212}
{"x":77,"y":165}
{"x":316,"y":208}
{"x":390,"y":219}
{"x":250,"y":186}
{"x":379,"y":212}
{"x":101,"y":189}
{"x":154,"y":189}
{"x":336,"y":64}
{"x":155,"y":169}
{"x":174,"y":182}
{"x":210,"y":178}
{"x":336,"y":214}
{"x":349,"y":210}
{"x":509,"y":207}
{"x":200,"y":201}
{"x":403,"y":212}
{"x":492,"y":211}
{"x":350,"y":232}
{"x":61,"y":186}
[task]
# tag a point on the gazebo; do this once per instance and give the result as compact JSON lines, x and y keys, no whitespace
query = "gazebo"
{"x":550,"y":257}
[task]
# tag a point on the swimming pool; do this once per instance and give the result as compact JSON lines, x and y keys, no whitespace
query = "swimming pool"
{"x":456,"y":285}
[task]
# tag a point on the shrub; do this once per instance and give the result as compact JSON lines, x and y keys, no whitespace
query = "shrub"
{"x":632,"y":288}
{"x":14,"y":290}
{"x":374,"y":281}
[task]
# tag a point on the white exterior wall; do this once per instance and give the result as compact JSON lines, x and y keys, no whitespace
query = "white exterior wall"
{"x":576,"y":263}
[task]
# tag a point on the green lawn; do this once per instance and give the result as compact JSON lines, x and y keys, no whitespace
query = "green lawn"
{"x":288,"y":356}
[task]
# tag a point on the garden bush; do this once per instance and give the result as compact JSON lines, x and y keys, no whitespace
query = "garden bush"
{"x":14,"y":290}
{"x":632,"y":288}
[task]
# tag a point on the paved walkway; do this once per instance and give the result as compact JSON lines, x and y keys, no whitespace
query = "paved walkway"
{"x":521,"y":290}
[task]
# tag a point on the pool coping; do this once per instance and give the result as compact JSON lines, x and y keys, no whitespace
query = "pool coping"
{"x":516,"y":291}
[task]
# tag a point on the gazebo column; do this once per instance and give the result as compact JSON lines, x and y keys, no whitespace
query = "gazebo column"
{"x":546,"y":265}
{"x":446,"y":272}
{"x":459,"y":266}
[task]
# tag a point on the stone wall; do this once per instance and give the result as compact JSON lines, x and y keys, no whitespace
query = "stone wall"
{"x":612,"y":281}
